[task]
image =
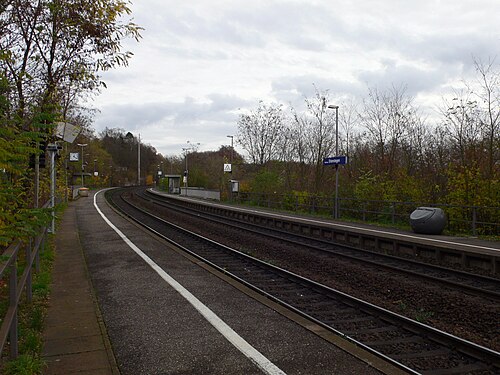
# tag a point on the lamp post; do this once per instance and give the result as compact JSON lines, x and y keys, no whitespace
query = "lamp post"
{"x":185,"y":150}
{"x":186,"y":172}
{"x":53,"y":148}
{"x":336,"y":209}
{"x":232,"y":150}
{"x":231,"y":171}
{"x":139,"y":160}
{"x":162,"y":174}
{"x":82,"y":145}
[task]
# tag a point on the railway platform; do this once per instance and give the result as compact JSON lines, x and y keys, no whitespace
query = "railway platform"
{"x":468,"y":253}
{"x":126,"y":302}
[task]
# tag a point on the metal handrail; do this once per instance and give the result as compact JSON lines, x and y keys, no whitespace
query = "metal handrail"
{"x":469,"y":218}
{"x":9,"y":327}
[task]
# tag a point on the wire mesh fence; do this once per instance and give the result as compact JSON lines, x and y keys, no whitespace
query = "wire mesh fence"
{"x":473,"y":220}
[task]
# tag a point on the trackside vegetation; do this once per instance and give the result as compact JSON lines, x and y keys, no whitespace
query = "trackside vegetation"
{"x":51,"y":56}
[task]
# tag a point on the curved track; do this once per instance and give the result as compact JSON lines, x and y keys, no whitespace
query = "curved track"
{"x":462,"y":281}
{"x":412,"y":346}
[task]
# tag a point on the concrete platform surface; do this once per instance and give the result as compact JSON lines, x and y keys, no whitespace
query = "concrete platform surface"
{"x":122,"y":317}
{"x":74,"y":338}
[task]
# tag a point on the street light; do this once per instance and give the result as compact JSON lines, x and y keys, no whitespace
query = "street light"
{"x":232,"y":150}
{"x":336,"y":210}
{"x":231,"y":171}
{"x":139,"y":160}
{"x":82,"y":145}
{"x":186,"y":149}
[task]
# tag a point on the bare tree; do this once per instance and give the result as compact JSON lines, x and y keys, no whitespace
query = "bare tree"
{"x":319,"y":124}
{"x":348,"y":120}
{"x":414,"y":145}
{"x":387,"y":115}
{"x":489,"y":100}
{"x":463,"y":126}
{"x":260,"y":133}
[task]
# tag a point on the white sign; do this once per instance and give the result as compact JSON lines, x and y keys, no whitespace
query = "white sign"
{"x":74,"y":156}
{"x":96,"y":173}
{"x":67,"y":131}
{"x":227,"y":168}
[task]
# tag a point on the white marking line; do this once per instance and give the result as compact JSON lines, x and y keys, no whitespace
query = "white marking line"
{"x":243,"y":346}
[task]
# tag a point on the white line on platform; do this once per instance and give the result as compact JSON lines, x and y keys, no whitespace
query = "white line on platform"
{"x":241,"y":344}
{"x":411,"y":237}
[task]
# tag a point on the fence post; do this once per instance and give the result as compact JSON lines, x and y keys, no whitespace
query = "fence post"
{"x":37,"y":254}
{"x":29,"y":289}
{"x":474,"y":220}
{"x":13,"y":304}
{"x":393,"y":212}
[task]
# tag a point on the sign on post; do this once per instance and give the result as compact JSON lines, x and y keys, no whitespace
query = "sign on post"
{"x":227,"y":168}
{"x":67,"y":131}
{"x":335,"y":160}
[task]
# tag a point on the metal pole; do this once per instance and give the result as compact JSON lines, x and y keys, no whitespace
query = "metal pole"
{"x":336,"y":203}
{"x":53,"y":189}
{"x":139,"y":161}
{"x":191,"y":147}
{"x":82,"y":145}
{"x":231,"y":180}
{"x":232,"y":150}
{"x":185,"y":150}
{"x":83,"y":183}
{"x":336,"y":166}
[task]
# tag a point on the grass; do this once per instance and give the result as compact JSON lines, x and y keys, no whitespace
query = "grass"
{"x":31,"y":320}
{"x":423,"y":316}
{"x":25,"y":364}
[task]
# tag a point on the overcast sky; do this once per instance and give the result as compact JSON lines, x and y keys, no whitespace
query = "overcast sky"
{"x":201,"y":63}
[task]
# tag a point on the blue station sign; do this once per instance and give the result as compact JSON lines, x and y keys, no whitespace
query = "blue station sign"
{"x":335,"y":160}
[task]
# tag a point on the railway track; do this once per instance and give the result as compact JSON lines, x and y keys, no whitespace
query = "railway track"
{"x":482,"y":286}
{"x":412,"y":346}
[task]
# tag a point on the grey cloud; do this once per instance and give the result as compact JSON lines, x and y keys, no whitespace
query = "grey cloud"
{"x":414,"y":79}
{"x":293,"y":89}
{"x":167,"y":125}
{"x":133,"y":116}
{"x":280,"y":45}
{"x":252,"y":26}
{"x":194,"y":53}
{"x":206,"y":27}
{"x":456,"y":49}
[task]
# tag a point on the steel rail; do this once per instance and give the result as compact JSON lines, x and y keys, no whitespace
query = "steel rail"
{"x":489,"y":289}
{"x":453,"y":344}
